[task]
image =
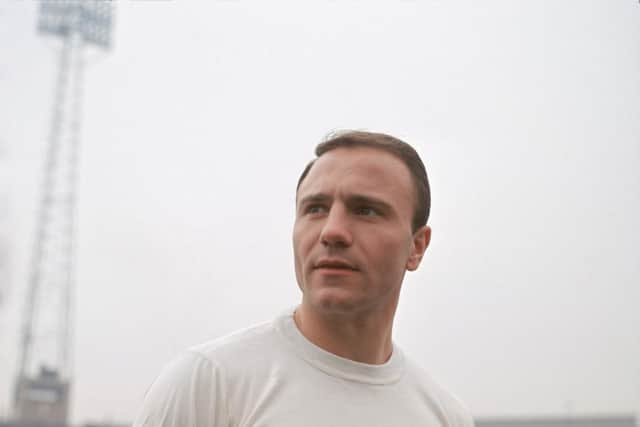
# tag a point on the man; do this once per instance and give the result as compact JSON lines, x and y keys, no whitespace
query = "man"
{"x":361,"y":222}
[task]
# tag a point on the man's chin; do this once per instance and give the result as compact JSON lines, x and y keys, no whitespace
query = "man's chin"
{"x":335,"y":301}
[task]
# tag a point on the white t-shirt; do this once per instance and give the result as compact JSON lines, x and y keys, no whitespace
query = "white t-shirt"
{"x":270,"y":375}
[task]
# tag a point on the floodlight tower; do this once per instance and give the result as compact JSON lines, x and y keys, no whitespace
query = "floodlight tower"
{"x":44,"y":369}
{"x":4,"y":237}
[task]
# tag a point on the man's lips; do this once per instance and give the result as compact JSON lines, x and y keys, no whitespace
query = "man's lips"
{"x":334,"y":264}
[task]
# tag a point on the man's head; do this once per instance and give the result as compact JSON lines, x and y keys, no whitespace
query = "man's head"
{"x":361,"y":211}
{"x":391,"y":145}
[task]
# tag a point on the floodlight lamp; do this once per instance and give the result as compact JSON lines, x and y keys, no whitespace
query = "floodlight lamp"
{"x":91,"y":19}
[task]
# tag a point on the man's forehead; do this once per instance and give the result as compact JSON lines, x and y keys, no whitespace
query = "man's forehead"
{"x":349,"y":158}
{"x":367,"y":167}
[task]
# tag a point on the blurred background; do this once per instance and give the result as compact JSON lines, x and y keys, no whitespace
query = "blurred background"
{"x":192,"y":120}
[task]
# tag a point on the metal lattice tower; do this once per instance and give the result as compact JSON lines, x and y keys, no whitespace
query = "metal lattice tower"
{"x":4,"y":237}
{"x":45,"y":366}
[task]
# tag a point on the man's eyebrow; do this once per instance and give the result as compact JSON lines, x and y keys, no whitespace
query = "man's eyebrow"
{"x":368,"y":200}
{"x":315,"y":198}
{"x":353,"y":199}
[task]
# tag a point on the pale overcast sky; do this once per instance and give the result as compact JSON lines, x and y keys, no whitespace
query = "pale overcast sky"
{"x":198,"y":122}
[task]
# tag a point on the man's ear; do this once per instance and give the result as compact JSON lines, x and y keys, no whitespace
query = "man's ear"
{"x":421,"y":239}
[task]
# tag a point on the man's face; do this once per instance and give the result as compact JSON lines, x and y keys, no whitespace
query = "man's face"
{"x":352,"y":237}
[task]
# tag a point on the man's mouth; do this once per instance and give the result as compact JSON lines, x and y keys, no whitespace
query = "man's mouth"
{"x":334,"y":264}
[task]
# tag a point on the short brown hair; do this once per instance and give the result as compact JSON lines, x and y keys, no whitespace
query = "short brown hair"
{"x":392,"y":145}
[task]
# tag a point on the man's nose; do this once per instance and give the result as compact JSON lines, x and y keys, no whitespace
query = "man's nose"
{"x":335,"y":231}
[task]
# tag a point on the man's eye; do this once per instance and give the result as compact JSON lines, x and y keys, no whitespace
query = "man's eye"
{"x":315,"y":209}
{"x":366,"y":211}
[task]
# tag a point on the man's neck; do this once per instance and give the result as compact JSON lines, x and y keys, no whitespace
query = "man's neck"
{"x":364,"y":337}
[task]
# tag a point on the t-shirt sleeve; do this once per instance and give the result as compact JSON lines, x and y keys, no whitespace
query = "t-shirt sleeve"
{"x":189,"y":392}
{"x":466,"y":420}
{"x":459,"y":415}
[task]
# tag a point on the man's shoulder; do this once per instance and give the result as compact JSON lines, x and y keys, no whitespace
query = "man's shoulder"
{"x":196,"y":386}
{"x":237,"y":349}
{"x":453,"y":409}
{"x":237,"y":342}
